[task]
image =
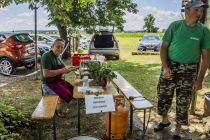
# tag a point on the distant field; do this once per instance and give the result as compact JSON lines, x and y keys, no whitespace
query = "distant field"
{"x":132,"y":34}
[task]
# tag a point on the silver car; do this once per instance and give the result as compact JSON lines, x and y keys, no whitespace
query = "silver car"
{"x":150,"y":42}
{"x":43,"y":39}
{"x":105,"y":44}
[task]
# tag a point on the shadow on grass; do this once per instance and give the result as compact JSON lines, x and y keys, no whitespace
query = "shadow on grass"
{"x":143,"y":77}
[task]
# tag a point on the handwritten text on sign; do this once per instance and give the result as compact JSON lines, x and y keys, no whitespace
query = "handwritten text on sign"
{"x":100,"y":103}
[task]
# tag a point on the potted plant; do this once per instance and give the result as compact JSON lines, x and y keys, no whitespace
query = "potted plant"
{"x":100,"y":72}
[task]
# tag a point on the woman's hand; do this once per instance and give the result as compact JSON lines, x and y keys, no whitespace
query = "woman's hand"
{"x":65,"y":70}
{"x":71,"y":68}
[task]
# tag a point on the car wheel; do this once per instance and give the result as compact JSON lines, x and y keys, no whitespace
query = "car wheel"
{"x":6,"y":66}
{"x":117,"y":57}
{"x":142,"y":49}
{"x":30,"y":66}
{"x":156,"y":50}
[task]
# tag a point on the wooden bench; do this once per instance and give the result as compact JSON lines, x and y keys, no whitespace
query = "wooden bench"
{"x":124,"y":87}
{"x":45,"y":110}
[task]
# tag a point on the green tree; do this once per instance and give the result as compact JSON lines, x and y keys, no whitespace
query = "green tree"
{"x":70,"y":15}
{"x":90,"y":15}
{"x":149,"y":24}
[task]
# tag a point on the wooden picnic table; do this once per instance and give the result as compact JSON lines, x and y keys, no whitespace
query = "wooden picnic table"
{"x":110,"y":89}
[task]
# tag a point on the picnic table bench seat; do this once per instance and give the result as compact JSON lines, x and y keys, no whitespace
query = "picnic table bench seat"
{"x":126,"y":89}
{"x":45,"y":110}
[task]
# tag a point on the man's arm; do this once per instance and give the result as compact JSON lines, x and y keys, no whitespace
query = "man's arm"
{"x":164,"y":60}
{"x":204,"y":64}
{"x":52,"y":73}
{"x":164,"y":54}
{"x":47,"y":67}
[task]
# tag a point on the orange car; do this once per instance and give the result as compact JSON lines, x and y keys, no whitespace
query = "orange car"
{"x":16,"y":50}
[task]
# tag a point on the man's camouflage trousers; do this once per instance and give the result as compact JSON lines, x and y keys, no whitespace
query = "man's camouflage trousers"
{"x":180,"y":82}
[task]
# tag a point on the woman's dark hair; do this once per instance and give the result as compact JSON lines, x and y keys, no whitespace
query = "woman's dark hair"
{"x":59,"y":39}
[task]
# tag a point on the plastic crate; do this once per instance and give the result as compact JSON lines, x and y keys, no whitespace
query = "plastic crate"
{"x":77,"y":57}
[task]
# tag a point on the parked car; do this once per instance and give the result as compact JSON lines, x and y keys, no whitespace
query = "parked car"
{"x":43,"y":48}
{"x":104,"y":43}
{"x":150,"y":42}
{"x":43,"y":39}
{"x":55,"y":36}
{"x":15,"y":52}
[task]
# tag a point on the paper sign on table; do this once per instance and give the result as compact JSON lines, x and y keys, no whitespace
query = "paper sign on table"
{"x":100,"y":103}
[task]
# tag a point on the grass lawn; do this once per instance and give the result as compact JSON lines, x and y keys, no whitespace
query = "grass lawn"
{"x":142,"y":71}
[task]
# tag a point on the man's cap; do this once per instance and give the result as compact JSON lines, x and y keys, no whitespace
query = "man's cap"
{"x":196,"y":4}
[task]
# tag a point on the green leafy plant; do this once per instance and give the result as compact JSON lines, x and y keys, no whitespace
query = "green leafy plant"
{"x":100,"y":71}
{"x":11,"y":120}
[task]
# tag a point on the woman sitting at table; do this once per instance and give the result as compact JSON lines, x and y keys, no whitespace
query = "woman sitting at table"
{"x":52,"y":70}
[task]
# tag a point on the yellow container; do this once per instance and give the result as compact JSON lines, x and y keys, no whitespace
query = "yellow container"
{"x":119,"y":123}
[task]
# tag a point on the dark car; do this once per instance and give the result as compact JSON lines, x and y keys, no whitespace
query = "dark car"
{"x":15,"y":52}
{"x":150,"y":42}
{"x":55,"y":36}
{"x":43,"y":48}
{"x":104,"y":43}
{"x":43,"y":39}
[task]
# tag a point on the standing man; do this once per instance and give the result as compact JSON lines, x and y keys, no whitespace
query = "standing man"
{"x":185,"y":44}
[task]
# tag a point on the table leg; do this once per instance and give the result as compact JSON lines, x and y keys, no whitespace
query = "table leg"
{"x":40,"y":130}
{"x":54,"y":128}
{"x":144,"y":121}
{"x":131,"y":118}
{"x":110,"y":125}
{"x":78,"y":117}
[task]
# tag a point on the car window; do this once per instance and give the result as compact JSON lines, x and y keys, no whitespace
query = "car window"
{"x":40,"y":38}
{"x":150,"y":38}
{"x":25,"y":38}
{"x":2,"y":37}
{"x":103,"y":41}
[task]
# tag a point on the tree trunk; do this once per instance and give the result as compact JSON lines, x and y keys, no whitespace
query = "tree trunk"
{"x":63,"y":34}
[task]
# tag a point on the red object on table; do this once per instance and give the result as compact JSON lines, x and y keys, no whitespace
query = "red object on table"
{"x":77,"y":57}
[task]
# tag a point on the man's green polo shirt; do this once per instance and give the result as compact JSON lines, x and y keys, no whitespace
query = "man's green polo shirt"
{"x":186,"y":42}
{"x":49,"y":61}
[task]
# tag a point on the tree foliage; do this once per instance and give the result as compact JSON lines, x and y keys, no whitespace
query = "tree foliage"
{"x":71,"y":15}
{"x":86,"y":14}
{"x":149,"y":24}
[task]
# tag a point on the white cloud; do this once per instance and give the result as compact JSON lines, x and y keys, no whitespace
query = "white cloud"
{"x":3,"y":9}
{"x":23,"y":24}
{"x":45,"y":13}
{"x":133,"y":21}
{"x":162,"y":18}
{"x":26,"y":14}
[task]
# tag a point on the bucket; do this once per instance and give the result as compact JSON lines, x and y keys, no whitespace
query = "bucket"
{"x":207,"y":104}
{"x":82,"y":138}
{"x":77,"y":57}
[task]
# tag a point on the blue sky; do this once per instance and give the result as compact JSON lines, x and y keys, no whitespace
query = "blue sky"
{"x":19,"y":17}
